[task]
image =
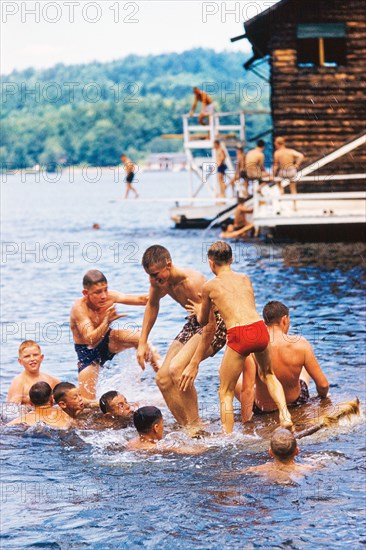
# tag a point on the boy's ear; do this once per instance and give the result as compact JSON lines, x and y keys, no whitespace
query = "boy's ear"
{"x":20,"y":361}
{"x":62,"y":404}
{"x":84,"y":292}
{"x":270,"y":452}
{"x":297,"y":450}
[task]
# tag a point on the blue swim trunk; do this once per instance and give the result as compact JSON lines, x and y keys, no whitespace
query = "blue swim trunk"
{"x":301,"y":400}
{"x":100,"y":354}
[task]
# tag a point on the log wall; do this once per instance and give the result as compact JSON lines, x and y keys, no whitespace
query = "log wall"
{"x":319,"y":108}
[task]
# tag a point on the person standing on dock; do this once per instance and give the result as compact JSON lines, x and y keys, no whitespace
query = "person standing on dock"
{"x":286,"y":162}
{"x":207,"y":105}
{"x":240,"y":174}
{"x":254,"y":163}
{"x":221,"y":167}
{"x":130,"y":174}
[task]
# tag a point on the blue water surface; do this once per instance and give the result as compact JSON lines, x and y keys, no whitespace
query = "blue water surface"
{"x":83,"y":489}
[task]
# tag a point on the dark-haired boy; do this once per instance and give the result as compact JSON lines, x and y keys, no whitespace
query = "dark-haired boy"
{"x":149,"y":423}
{"x":114,"y":404}
{"x":67,"y":396}
{"x":90,"y":320}
{"x":40,"y":395}
{"x":233,"y":296}
{"x":174,"y":378}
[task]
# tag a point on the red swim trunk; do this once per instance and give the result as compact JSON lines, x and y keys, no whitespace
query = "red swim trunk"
{"x":247,"y":339}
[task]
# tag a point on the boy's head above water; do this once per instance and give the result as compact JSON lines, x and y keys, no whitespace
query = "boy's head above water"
{"x":30,"y":356}
{"x":283,"y":444}
{"x":148,"y":422}
{"x":115,"y":404}
{"x":40,"y":394}
{"x":67,"y":397}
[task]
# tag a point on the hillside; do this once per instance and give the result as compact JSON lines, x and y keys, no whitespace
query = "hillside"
{"x":91,"y":113}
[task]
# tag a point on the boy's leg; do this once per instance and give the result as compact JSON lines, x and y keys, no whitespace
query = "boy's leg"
{"x":183,"y":405}
{"x":230,"y":370}
{"x":274,"y":386}
{"x":88,"y":379}
{"x":121,"y":339}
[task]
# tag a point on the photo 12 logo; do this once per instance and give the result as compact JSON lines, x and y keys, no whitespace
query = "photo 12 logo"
{"x":233,"y":11}
{"x":54,"y":12}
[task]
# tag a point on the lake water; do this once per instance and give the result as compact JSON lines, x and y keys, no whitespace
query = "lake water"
{"x":84,"y":490}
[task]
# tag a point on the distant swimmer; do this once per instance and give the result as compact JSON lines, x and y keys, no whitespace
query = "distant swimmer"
{"x":293,"y":362}
{"x":95,"y":341}
{"x":283,"y":469}
{"x":233,"y":296}
{"x":221,"y":167}
{"x":40,"y":395}
{"x":30,"y":357}
{"x":286,"y":162}
{"x":149,"y":424}
{"x":175,"y":379}
{"x":207,"y":105}
{"x":130,"y":175}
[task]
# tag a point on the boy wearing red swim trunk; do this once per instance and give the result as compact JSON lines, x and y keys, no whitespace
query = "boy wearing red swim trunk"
{"x":233,"y":296}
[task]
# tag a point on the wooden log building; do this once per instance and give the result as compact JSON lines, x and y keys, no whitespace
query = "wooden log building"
{"x":317,"y":54}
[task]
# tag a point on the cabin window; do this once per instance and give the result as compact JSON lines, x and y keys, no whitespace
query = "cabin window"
{"x":321,"y":44}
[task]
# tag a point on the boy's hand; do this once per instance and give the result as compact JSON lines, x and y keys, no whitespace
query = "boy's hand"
{"x":188,"y":377}
{"x":194,"y":308}
{"x":142,"y":354}
{"x":113,"y":315}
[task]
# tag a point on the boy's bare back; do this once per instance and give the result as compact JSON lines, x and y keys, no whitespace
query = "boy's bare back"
{"x":233,"y":296}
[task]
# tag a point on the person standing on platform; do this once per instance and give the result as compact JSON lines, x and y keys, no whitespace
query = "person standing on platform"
{"x":286,"y":162}
{"x":207,"y":105}
{"x":221,"y":167}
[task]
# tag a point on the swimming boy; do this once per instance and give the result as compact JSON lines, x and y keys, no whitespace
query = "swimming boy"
{"x":114,"y":404}
{"x":283,"y":449}
{"x":149,"y":423}
{"x":95,"y":341}
{"x":182,"y":285}
{"x":30,"y":357}
{"x":40,"y":395}
{"x":233,"y":296}
{"x":67,"y":396}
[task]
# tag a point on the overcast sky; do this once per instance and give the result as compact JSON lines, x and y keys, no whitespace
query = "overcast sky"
{"x":41,"y":34}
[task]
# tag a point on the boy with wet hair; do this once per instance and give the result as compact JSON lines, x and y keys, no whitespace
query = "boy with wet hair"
{"x":30,"y":357}
{"x":149,"y":423}
{"x":68,"y":398}
{"x":114,"y":404}
{"x":283,"y":449}
{"x":175,"y":379}
{"x":40,"y":395}
{"x":95,"y":342}
{"x":233,"y":296}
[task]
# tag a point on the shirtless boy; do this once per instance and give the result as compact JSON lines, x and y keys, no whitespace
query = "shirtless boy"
{"x":67,"y":396}
{"x":40,"y":395}
{"x":293,"y":362}
{"x":30,"y":357}
{"x":254,"y":165}
{"x":149,"y":423}
{"x":233,"y":296}
{"x":239,"y":172}
{"x":130,"y":174}
{"x":283,"y":469}
{"x":286,"y":163}
{"x":95,"y":342}
{"x":207,"y":105}
{"x":221,"y":167}
{"x":114,"y":404}
{"x":182,"y":285}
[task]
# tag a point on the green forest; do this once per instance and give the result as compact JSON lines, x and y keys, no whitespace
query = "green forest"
{"x":77,"y":114}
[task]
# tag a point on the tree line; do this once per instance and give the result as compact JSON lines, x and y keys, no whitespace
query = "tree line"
{"x":92,"y":113}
